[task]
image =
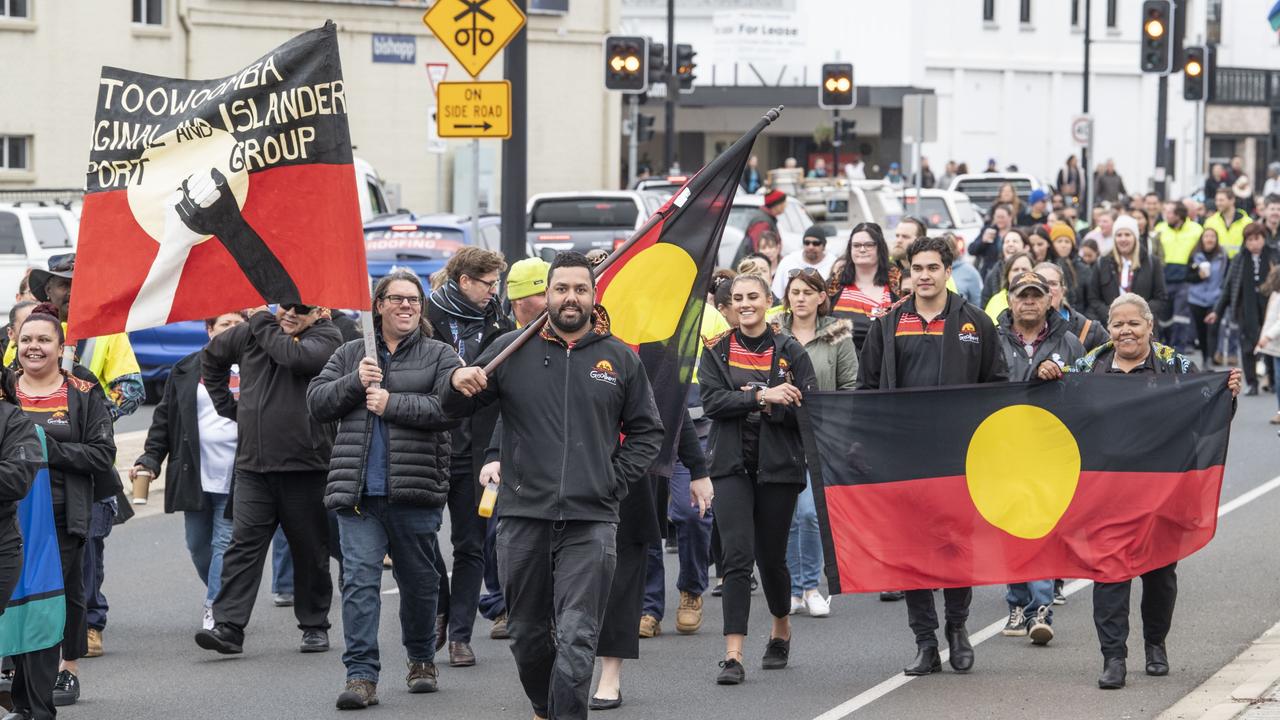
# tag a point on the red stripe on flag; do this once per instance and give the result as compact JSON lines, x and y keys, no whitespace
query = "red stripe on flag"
{"x":927,"y":533}
{"x":647,"y":241}
{"x":308,"y":215}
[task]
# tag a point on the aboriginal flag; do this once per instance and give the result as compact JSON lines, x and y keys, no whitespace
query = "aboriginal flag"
{"x":37,"y":609}
{"x":655,"y":286}
{"x":205,"y":196}
{"x":1096,"y":476}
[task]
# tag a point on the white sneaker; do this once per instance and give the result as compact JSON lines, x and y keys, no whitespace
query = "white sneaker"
{"x":817,"y":605}
{"x":797,"y":604}
{"x":207,"y":622}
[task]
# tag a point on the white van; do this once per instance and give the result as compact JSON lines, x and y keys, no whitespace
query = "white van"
{"x":373,"y":198}
{"x":31,"y":233}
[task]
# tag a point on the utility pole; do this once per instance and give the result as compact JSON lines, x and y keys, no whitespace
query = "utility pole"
{"x":673,"y":90}
{"x":633,"y":143}
{"x":836,"y":141}
{"x":515,"y":151}
{"x":1162,"y":146}
{"x":1086,"y":180}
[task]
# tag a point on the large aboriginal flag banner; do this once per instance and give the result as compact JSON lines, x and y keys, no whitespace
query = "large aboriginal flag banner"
{"x":37,"y":610}
{"x":1098,"y":477}
{"x":205,"y":196}
{"x":655,"y":287}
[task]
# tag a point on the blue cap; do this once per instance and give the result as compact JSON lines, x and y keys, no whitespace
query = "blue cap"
{"x":1037,"y":195}
{"x":893,"y":166}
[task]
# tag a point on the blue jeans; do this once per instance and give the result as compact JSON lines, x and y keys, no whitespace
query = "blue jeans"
{"x":208,"y":534}
{"x":804,"y":544}
{"x":1275,"y":376}
{"x":492,"y":604}
{"x":1031,"y":596}
{"x":408,"y":534}
{"x":102,"y":517}
{"x":281,"y":565}
{"x":693,"y":544}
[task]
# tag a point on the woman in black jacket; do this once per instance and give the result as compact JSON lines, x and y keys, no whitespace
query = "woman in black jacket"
{"x":751,"y":381}
{"x":1127,"y":268}
{"x":185,"y":428}
{"x":388,"y":480}
{"x":1247,"y":272}
{"x":80,"y":442}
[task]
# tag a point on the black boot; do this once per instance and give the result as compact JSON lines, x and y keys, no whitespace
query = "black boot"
{"x":1157,"y":660}
{"x":927,"y":661}
{"x":1113,"y":672}
{"x":961,"y":650}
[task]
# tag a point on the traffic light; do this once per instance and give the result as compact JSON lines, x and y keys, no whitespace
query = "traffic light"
{"x":657,"y":63}
{"x":685,"y":66}
{"x":644,"y":127}
{"x":626,"y":63}
{"x":1196,"y":73}
{"x":1157,"y":36}
{"x":837,"y":89}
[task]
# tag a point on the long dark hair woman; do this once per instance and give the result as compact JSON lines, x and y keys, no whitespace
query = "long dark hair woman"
{"x":78,"y":434}
{"x":1064,"y":253}
{"x":1247,"y":272}
{"x":863,"y":282}
{"x":752,"y":380}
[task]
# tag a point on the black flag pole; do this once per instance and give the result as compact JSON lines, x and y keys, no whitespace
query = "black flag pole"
{"x":677,"y":202}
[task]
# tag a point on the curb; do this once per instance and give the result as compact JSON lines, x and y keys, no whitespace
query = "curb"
{"x":1245,"y":682}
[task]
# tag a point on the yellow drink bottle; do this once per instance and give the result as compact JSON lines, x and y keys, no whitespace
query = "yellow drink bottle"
{"x":488,"y":499}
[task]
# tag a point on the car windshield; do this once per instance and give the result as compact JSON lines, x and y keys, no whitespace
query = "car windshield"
{"x":564,"y":213}
{"x":740,"y":215}
{"x":966,"y":214}
{"x":50,"y":232}
{"x":983,"y":191}
{"x":933,"y":210}
{"x":886,"y":211}
{"x":411,"y":242}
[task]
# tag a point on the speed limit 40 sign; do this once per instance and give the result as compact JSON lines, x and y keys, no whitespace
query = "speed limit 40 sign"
{"x":1081,"y":129}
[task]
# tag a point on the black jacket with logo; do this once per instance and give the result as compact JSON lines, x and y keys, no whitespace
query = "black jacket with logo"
{"x":974,"y":358}
{"x":563,"y":409}
{"x":276,"y":433}
{"x":781,"y":450}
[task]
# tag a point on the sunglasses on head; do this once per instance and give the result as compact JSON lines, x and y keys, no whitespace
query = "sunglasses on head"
{"x":297,"y":308}
{"x":804,"y":271}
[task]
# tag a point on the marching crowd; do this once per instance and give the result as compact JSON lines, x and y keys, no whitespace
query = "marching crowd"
{"x":285,"y":422}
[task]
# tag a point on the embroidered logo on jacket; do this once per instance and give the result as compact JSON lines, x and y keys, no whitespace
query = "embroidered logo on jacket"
{"x":968,"y":333}
{"x":603,"y":371}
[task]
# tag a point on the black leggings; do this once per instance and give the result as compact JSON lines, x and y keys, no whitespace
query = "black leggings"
{"x":754,"y":521}
{"x":1206,"y":334}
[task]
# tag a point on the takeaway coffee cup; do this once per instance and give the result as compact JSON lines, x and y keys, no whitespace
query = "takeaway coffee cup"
{"x":141,"y":486}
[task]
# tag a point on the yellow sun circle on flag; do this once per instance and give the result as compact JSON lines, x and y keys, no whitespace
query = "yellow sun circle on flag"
{"x":646,"y":297}
{"x":1022,"y":469}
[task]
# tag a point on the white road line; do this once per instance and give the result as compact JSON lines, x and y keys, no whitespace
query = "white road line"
{"x":865,"y":698}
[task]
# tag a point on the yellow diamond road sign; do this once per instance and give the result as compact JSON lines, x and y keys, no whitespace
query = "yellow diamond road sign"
{"x":474,"y":30}
{"x":474,"y":109}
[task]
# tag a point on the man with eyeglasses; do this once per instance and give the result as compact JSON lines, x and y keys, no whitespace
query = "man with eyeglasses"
{"x":282,"y":461}
{"x":465,"y":313}
{"x":813,"y":255}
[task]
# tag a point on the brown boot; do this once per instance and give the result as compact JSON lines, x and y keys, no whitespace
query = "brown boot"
{"x":650,"y":626}
{"x":689,"y":616}
{"x":358,"y":695}
{"x":95,"y":643}
{"x":423,"y":677}
{"x":461,"y":654}
{"x":499,"y":630}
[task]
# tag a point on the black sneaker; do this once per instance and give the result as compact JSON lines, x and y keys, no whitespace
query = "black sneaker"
{"x":718,"y":590}
{"x":66,"y":689}
{"x":222,"y":639}
{"x":1058,"y":597}
{"x":314,"y":640}
{"x":776,"y":654}
{"x":731,"y":673}
{"x":892,"y":596}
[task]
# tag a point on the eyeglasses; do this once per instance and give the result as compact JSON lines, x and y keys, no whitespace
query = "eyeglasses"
{"x":809,"y":272}
{"x":862,"y":245}
{"x":297,"y":308}
{"x":815,"y":243}
{"x":491,"y":284}
{"x":413,"y":300}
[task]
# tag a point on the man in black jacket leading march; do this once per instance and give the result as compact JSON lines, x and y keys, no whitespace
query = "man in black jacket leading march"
{"x":565,"y":397}
{"x":932,"y":338}
{"x":282,"y":460}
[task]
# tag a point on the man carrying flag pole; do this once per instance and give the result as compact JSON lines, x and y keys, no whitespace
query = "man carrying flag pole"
{"x":550,"y":516}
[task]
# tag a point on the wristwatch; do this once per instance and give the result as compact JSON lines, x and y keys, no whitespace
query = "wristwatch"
{"x":760,"y":398}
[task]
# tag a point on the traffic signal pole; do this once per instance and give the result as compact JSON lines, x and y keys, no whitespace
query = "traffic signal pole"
{"x":1162,"y":146}
{"x":673,"y":90}
{"x":633,"y":144}
{"x":515,"y":151}
{"x":1086,"y":180}
{"x":836,"y":142}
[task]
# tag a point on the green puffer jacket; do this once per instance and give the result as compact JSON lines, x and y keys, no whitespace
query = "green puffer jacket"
{"x":835,"y":360}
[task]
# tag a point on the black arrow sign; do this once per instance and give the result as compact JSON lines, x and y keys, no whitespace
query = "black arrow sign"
{"x":475,"y":126}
